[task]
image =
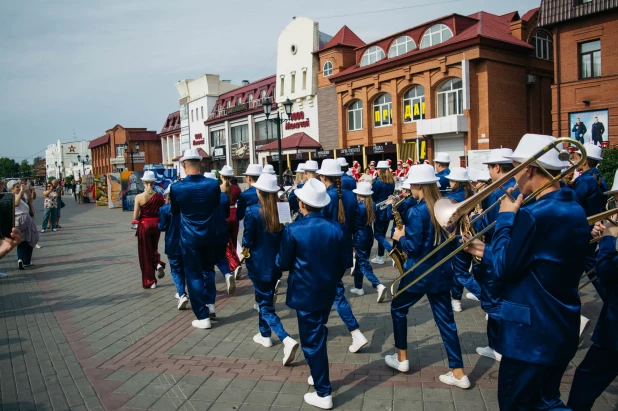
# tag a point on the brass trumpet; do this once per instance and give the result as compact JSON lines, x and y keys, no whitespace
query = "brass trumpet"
{"x":244,"y":254}
{"x":384,"y":204}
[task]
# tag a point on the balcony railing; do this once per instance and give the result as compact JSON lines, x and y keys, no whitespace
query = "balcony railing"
{"x":252,"y":104}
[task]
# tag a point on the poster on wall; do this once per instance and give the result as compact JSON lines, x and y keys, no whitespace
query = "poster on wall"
{"x":590,"y":127}
{"x":476,"y":169}
{"x":131,"y":184}
{"x":88,"y":187}
{"x":100,"y":192}
{"x":114,"y":190}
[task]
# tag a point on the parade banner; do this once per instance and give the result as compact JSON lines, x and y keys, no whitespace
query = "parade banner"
{"x":131,"y":183}
{"x":114,"y":190}
{"x":100,"y":193}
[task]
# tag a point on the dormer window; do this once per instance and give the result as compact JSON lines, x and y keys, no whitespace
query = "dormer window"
{"x":402,"y":45}
{"x":239,"y":101}
{"x":372,"y":55}
{"x":435,"y":35}
{"x":328,"y":69}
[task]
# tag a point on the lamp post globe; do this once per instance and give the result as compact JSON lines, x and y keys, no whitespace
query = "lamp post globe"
{"x":288,"y":107}
{"x":268,"y":106}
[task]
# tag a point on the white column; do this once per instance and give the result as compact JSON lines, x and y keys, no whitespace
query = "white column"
{"x":228,"y":143}
{"x":251,"y":138}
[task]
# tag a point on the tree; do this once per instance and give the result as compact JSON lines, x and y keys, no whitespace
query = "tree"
{"x":8,"y":168}
{"x":608,"y":166}
{"x":25,"y":169}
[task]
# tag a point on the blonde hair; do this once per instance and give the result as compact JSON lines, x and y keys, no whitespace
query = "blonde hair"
{"x":466,"y":186}
{"x":431,"y":194}
{"x":386,"y":176}
{"x":269,"y":211}
{"x":368,"y":205}
{"x":300,"y":177}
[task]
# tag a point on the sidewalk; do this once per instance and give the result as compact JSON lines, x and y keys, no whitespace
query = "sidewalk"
{"x":78,"y":332}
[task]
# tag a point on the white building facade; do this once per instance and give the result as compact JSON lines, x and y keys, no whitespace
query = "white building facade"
{"x":62,"y":159}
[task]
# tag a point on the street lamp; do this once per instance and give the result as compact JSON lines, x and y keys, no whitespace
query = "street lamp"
{"x":126,"y":147}
{"x":83,"y":163}
{"x":268,"y":105}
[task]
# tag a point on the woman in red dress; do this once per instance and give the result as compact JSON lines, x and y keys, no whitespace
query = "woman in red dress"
{"x":232,"y":191}
{"x":146,"y":211}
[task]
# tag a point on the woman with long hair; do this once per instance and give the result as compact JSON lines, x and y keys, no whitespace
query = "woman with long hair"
{"x":233,"y":192}
{"x":262,"y":237}
{"x":420,"y":236}
{"x":24,"y":223}
{"x":383,"y":188}
{"x":146,"y":211}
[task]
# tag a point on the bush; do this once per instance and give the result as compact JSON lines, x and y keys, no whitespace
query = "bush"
{"x":609,"y":165}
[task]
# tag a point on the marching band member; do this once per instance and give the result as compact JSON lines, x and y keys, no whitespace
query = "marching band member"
{"x":343,"y":210}
{"x":406,"y":166}
{"x":300,"y":174}
{"x":249,"y":196}
{"x":232,"y":192}
{"x":400,"y":172}
{"x":262,"y":237}
{"x":419,"y":237}
{"x":310,"y":169}
{"x":402,"y":209}
{"x":372,"y":169}
{"x":313,"y":282}
{"x":357,"y":172}
{"x":268,"y":169}
{"x":442,"y":162}
{"x":383,"y":187}
{"x":363,"y":241}
{"x":539,"y":261}
{"x":347,"y":182}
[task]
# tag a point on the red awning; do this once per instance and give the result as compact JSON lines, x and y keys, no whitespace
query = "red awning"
{"x":199,"y":150}
{"x":295,"y":141}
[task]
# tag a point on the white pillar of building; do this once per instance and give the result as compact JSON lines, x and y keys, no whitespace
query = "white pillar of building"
{"x":228,"y":143}
{"x":251,"y":126}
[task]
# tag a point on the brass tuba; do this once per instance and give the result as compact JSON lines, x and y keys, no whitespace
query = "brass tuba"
{"x":398,"y":256}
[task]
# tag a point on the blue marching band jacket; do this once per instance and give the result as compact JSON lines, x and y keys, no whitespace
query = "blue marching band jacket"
{"x":589,"y":188}
{"x":263,"y":247}
{"x":170,"y":225}
{"x":348,"y":183}
{"x":444,"y":182}
{"x":606,"y":332}
{"x":363,"y":238}
{"x":245,"y":200}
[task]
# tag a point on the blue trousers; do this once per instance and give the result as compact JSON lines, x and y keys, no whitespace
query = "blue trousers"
{"x":177,"y":268}
{"x":384,"y":243}
{"x":493,"y":329}
{"x":49,"y":215}
{"x":269,"y":320}
{"x":379,"y":229}
{"x":363,"y":269}
{"x":462,"y":277}
{"x":344,"y":310}
{"x":524,"y":386}
{"x":224,"y":266}
{"x":590,"y":263}
{"x":313,"y":335}
{"x":24,"y":252}
{"x":592,"y":377}
{"x":200,"y":275}
{"x":442,"y":314}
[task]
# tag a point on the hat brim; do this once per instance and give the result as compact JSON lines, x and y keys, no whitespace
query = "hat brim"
{"x":383,"y":168}
{"x":504,"y":161}
{"x":429,"y":181}
{"x":252,"y":174}
{"x":329,"y":174}
{"x":311,"y":203}
{"x":190,"y":158}
{"x":266,"y":189}
{"x":269,"y":172}
{"x":148,"y":180}
{"x":457,"y":179}
{"x":226,"y":175}
{"x":362,"y":193}
{"x":299,"y":171}
{"x":595,"y":158}
{"x":311,"y":170}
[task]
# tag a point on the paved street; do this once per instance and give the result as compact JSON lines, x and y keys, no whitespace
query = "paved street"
{"x":78,"y":332}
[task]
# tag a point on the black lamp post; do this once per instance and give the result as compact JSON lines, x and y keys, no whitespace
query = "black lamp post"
{"x":126,"y":147}
{"x":83,"y":163}
{"x":268,"y":105}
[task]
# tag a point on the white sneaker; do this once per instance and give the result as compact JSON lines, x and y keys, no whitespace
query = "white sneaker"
{"x":42,"y":231}
{"x":378,"y":260}
{"x":393,"y":362}
{"x":237,"y":272}
{"x":450,"y":379}
{"x":230,"y":281}
{"x":53,"y":229}
{"x":381,"y":293}
{"x":160,"y":271}
{"x":177,"y":296}
{"x":489,"y":353}
{"x":583,"y":324}
{"x":471,"y":296}
{"x":212,"y":313}
{"x":153,"y":286}
{"x":20,"y":264}
{"x":456,"y":306}
{"x":290,"y":346}
{"x":358,"y":341}
{"x":312,"y":398}
{"x":182,"y":302}
{"x":37,"y":246}
{"x":486,"y":317}
{"x":256,"y":307}
{"x":357,"y":291}
{"x":310,"y":380}
{"x":264,"y":341}
{"x":202,"y":324}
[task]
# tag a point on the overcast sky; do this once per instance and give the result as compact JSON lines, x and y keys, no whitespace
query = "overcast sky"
{"x":89,"y":65}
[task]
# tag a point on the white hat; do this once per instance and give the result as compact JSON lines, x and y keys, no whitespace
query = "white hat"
{"x":149,"y":177}
{"x":253,"y":170}
{"x":530,"y":144}
{"x":382,"y":164}
{"x":479,"y":175}
{"x":342,"y":161}
{"x":268,"y":169}
{"x":614,"y":189}
{"x":363,"y":188}
{"x":406,"y":186}
{"x":499,"y":156}
{"x":227,"y":171}
{"x":190,"y":154}
{"x":11,"y":184}
{"x":167,"y":190}
{"x":459,"y":174}
{"x":421,"y":174}
{"x":311,"y":165}
{"x":330,"y":167}
{"x":210,"y":175}
{"x":301,"y":168}
{"x":442,"y":158}
{"x":267,"y":183}
{"x":592,"y":151}
{"x":313,"y":193}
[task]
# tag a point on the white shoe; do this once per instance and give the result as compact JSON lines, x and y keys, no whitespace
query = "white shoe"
{"x":256,"y":307}
{"x":212,"y":313}
{"x":177,"y":296}
{"x":381,"y":293}
{"x":456,"y":306}
{"x":290,"y":346}
{"x":237,"y":272}
{"x":471,"y":296}
{"x":450,"y":379}
{"x":312,"y":398}
{"x":53,"y":229}
{"x":20,"y":264}
{"x":378,"y":260}
{"x":153,"y":286}
{"x":230,"y":281}
{"x":182,"y":302}
{"x":583,"y":324}
{"x":393,"y":362}
{"x":264,"y":341}
{"x":486,"y":317}
{"x":358,"y":341}
{"x":357,"y":291}
{"x":202,"y":324}
{"x":42,"y":231}
{"x":489,"y":353}
{"x":160,"y":271}
{"x":37,"y":246}
{"x":310,"y":380}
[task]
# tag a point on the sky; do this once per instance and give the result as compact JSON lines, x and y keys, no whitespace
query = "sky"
{"x":73,"y":69}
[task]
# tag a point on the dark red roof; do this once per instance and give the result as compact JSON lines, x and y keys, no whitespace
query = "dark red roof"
{"x":99,"y":141}
{"x":199,"y":150}
{"x":529,"y":14}
{"x":143,"y":136}
{"x":172,"y":123}
{"x":297,"y":140}
{"x":344,"y":37}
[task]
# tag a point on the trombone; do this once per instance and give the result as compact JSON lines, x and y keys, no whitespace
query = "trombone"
{"x":593,"y":219}
{"x":453,"y":217}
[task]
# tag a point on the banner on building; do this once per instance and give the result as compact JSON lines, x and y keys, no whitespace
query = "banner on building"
{"x":593,"y":127}
{"x":114,"y":187}
{"x":131,"y":183}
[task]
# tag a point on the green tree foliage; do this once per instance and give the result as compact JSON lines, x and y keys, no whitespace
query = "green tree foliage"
{"x":8,"y":168}
{"x":609,"y":165}
{"x":25,"y":169}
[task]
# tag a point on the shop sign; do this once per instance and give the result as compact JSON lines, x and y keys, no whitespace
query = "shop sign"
{"x":237,"y":109}
{"x":381,"y":149}
{"x":350,"y":151}
{"x":275,"y":157}
{"x":319,"y":155}
{"x":300,"y":156}
{"x":218,"y":153}
{"x":297,"y":120}
{"x":198,"y":139}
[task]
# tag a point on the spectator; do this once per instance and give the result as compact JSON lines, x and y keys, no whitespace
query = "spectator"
{"x":78,"y":192}
{"x":50,"y":196}
{"x":7,"y":244}
{"x":25,"y":224}
{"x":59,"y":193}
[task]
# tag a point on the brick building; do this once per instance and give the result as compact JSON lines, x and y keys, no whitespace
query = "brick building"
{"x":585,"y":57}
{"x":453,"y":84}
{"x":109,"y":156}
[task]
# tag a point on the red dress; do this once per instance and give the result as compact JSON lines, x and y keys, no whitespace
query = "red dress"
{"x":148,"y":239}
{"x":232,"y":225}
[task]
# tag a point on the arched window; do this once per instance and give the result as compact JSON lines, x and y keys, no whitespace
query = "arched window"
{"x":401,"y":46}
{"x":382,"y":111}
{"x":435,"y":35}
{"x":355,"y":116}
{"x":250,"y":98}
{"x":372,"y":55}
{"x":450,"y":98}
{"x":414,"y":104}
{"x":544,"y":45}
{"x":328,"y":69}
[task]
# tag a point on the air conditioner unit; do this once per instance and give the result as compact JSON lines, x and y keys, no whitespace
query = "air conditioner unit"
{"x":530,"y":79}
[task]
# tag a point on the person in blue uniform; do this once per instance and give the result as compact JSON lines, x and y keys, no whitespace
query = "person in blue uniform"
{"x":347,"y":182}
{"x":262,"y":237}
{"x":248,"y":197}
{"x":362,"y":241}
{"x":442,"y":162}
{"x":312,"y":282}
{"x":196,"y":199}
{"x":420,"y":236}
{"x":310,"y":169}
{"x":383,"y":187}
{"x":402,"y":209}
{"x":539,"y":261}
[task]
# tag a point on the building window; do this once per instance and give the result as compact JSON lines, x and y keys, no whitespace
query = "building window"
{"x":328,"y":69}
{"x":228,"y":104}
{"x":402,"y":45}
{"x":382,"y":111}
{"x":305,"y":80}
{"x":355,"y":116}
{"x":262,"y":93}
{"x":372,"y":55}
{"x":590,"y":59}
{"x":544,"y":46}
{"x":250,"y":98}
{"x":218,"y":107}
{"x":435,"y":35}
{"x":450,"y":98}
{"x":202,"y":109}
{"x":217,"y":138}
{"x":191,"y":115}
{"x":282,"y":85}
{"x":293,"y":85}
{"x":239,"y":101}
{"x":119,"y":150}
{"x":414,"y":104}
{"x":240,"y":134}
{"x":265,"y":130}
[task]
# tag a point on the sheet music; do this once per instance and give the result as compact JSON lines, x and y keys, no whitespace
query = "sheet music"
{"x":285,"y":216}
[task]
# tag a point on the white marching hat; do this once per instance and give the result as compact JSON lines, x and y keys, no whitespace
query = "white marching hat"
{"x":149,"y":177}
{"x":342,"y":161}
{"x":363,"y":188}
{"x":313,"y":193}
{"x":267,"y":183}
{"x":253,"y":170}
{"x":422,"y":174}
{"x":268,"y":169}
{"x":459,"y":174}
{"x":614,"y":189}
{"x":300,"y":168}
{"x":479,"y":175}
{"x":210,"y":174}
{"x":190,"y":154}
{"x":592,"y":151}
{"x":227,"y":171}
{"x":330,"y":167}
{"x":311,"y":165}
{"x":499,"y":156}
{"x":406,"y":186}
{"x":442,"y":158}
{"x":382,"y":164}
{"x":530,"y":144}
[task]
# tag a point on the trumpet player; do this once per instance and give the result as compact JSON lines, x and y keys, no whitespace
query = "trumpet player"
{"x":383,"y":187}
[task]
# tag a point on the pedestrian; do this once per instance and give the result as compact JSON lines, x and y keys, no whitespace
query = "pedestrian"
{"x":25,"y":224}
{"x":79,"y":193}
{"x":60,"y":204}
{"x":50,"y":207}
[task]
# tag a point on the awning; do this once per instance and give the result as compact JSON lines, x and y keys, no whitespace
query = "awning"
{"x":295,"y":141}
{"x":199,"y":150}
